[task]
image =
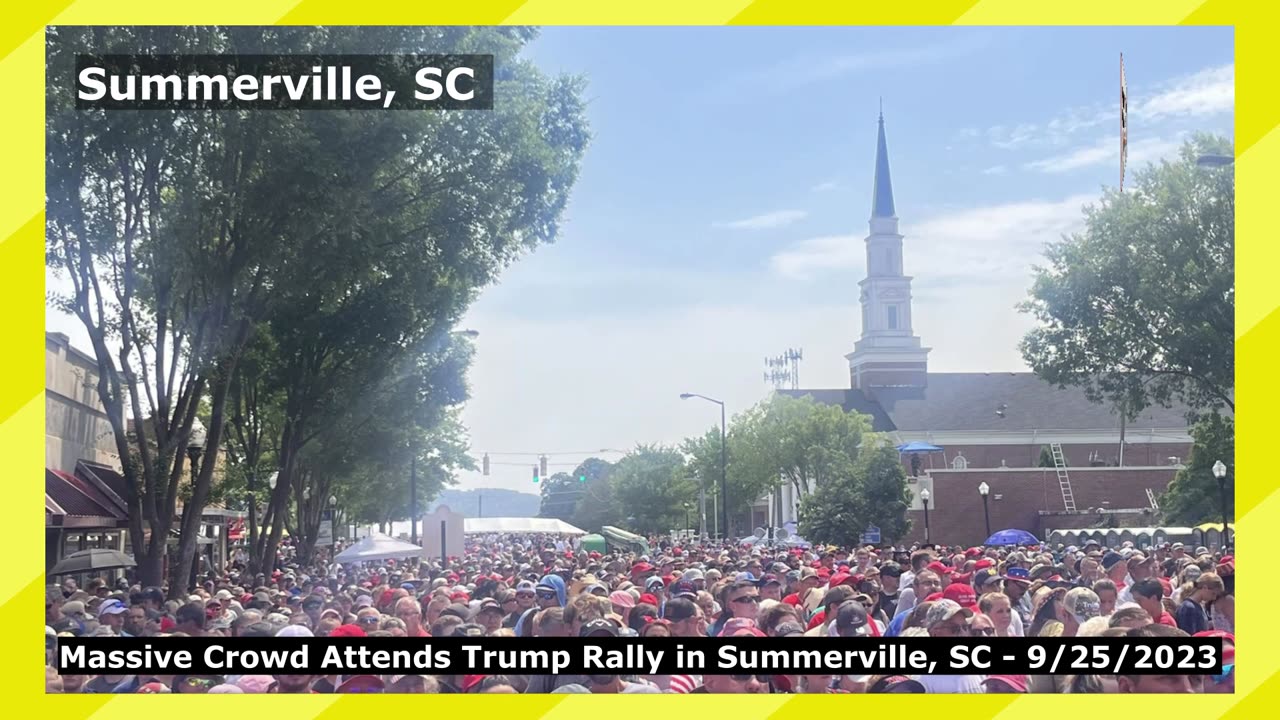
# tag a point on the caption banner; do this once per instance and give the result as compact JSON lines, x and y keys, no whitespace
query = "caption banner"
{"x":653,"y":656}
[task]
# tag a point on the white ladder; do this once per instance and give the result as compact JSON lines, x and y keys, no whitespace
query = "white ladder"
{"x":1064,"y":482}
{"x":1151,"y":498}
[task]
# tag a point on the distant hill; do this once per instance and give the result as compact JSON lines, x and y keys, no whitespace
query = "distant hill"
{"x":496,"y":503}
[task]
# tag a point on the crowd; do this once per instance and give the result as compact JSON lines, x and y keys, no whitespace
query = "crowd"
{"x":532,"y":586}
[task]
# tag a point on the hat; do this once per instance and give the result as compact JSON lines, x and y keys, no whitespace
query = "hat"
{"x":295,"y":631}
{"x":255,"y":684}
{"x":155,"y":688}
{"x":961,"y":594}
{"x":692,"y":575}
{"x":596,"y":628}
{"x":896,"y":684}
{"x":223,"y":594}
{"x":683,"y":588}
{"x":73,"y":607}
{"x":641,"y":568}
{"x":622,"y":598}
{"x":224,"y":689}
{"x":741,"y":626}
{"x":361,"y":684}
{"x":1110,"y":559}
{"x":1017,"y":682}
{"x":973,"y":552}
{"x":489,"y":605}
{"x":654,"y":581}
{"x":109,"y":607}
{"x":943,"y":610}
{"x":1082,"y":604}
{"x":347,"y":631}
{"x":938,"y":568}
{"x":851,"y":619}
{"x":984,"y":563}
{"x":1018,"y":575}
{"x":891,"y":569}
{"x":770,"y":579}
{"x":649,"y":599}
{"x":1040,"y":570}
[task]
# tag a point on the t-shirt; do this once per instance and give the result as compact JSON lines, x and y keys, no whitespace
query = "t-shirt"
{"x":952,"y":684}
{"x":1191,"y":618}
{"x":1167,"y":619}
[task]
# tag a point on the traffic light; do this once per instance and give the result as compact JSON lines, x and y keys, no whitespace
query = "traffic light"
{"x":542,"y":466}
{"x":484,"y":464}
{"x":535,"y":473}
{"x":582,"y":478}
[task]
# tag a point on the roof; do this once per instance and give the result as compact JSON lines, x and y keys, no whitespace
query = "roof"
{"x":519,"y":525}
{"x":882,"y":194}
{"x":987,"y":401}
{"x":76,"y":496}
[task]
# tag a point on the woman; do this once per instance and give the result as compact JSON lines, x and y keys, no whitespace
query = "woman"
{"x":996,"y":606}
{"x":1044,"y":615}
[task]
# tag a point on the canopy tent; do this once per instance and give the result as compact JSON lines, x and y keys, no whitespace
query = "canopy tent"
{"x":377,"y":546}
{"x":912,"y":448}
{"x":537,"y":526}
{"x":594,"y":543}
{"x":91,"y":561}
{"x":1012,"y":537}
{"x":618,"y":537}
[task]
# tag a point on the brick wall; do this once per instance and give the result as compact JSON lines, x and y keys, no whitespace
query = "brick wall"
{"x":955,"y":508}
{"x":1024,"y":456}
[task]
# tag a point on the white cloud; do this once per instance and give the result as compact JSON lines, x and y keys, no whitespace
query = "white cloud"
{"x":826,"y":186}
{"x":1107,"y":150}
{"x":776,"y":219}
{"x":1210,"y":91}
{"x":995,"y":170}
{"x":809,"y":257}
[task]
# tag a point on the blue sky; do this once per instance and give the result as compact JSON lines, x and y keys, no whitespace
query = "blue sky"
{"x":720,"y":210}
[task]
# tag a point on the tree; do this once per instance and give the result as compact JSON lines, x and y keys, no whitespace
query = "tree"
{"x":1046,"y":458}
{"x":1192,"y":498}
{"x":856,"y":495}
{"x":560,"y":495}
{"x":651,"y":486}
{"x":597,"y":505}
{"x":1138,"y":309}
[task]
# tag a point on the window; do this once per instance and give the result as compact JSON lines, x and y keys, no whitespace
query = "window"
{"x":893,"y":317}
{"x":960,"y":462}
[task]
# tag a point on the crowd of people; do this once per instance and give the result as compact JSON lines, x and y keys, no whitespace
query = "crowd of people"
{"x":534,"y":586}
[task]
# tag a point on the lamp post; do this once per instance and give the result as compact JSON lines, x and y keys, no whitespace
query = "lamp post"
{"x":687,"y":508}
{"x":724,"y":462}
{"x":924,"y":499}
{"x":413,"y":499}
{"x":984,"y":490}
{"x":1220,"y":472}
{"x":195,"y":446}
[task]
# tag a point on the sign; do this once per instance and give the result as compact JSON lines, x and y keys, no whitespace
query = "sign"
{"x":871,"y":536}
{"x":324,"y":538}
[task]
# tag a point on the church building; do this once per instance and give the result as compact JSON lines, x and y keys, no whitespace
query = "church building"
{"x":1047,"y":456}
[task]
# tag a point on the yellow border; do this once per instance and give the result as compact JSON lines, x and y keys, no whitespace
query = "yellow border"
{"x":22,"y":313}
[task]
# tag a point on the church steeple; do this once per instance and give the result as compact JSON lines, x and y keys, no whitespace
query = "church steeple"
{"x":882,"y":195}
{"x":888,"y":354}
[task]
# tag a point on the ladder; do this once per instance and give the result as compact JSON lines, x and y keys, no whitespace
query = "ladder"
{"x":1064,"y":482}
{"x":1151,"y":498}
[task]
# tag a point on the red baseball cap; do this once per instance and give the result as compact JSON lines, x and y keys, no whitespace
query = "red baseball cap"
{"x":1017,"y":682}
{"x":347,"y":631}
{"x":961,"y":593}
{"x":984,"y":563}
{"x":935,"y":597}
{"x":640,"y":568}
{"x":939,"y":568}
{"x":470,"y":681}
{"x":973,"y":552}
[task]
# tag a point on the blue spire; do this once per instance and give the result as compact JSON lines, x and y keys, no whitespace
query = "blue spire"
{"x":882,"y":199}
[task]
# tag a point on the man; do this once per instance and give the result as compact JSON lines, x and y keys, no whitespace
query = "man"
{"x":312,"y":606}
{"x":947,"y":619}
{"x":686,"y":618}
{"x":53,"y":600}
{"x":1115,"y":569}
{"x":1108,"y":595}
{"x":1141,"y":567}
{"x":135,"y":622}
{"x":489,"y":614}
{"x":919,"y":559}
{"x":1080,"y":605}
{"x":191,"y":619}
{"x":771,"y":588}
{"x":862,"y":556}
{"x":926,"y":583}
{"x":1016,"y":582}
{"x":525,"y":596}
{"x":1148,"y":594}
{"x":742,"y":600}
{"x":852,"y":620}
{"x":831,"y":603}
{"x":1163,"y":683}
{"x":293,"y":685}
{"x":111,"y":613}
{"x":409,"y":611}
{"x":551,"y":592}
{"x":734,"y":684}
{"x":890,"y":575}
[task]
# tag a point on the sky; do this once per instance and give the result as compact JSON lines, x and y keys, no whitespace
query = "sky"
{"x":719,"y":213}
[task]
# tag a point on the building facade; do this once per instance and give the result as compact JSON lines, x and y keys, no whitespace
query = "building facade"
{"x":992,"y":427}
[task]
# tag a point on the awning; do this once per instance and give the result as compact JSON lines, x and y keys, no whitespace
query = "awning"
{"x":912,"y":448}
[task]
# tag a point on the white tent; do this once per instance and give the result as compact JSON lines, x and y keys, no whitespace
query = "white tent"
{"x":543,"y":526}
{"x":378,"y":547}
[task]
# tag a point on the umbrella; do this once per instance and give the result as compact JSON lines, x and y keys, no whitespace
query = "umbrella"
{"x":90,"y":561}
{"x":378,"y":547}
{"x":917,"y":447}
{"x":1012,"y":537}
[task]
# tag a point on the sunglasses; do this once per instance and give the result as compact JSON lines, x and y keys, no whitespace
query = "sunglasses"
{"x":525,"y":595}
{"x":547,"y":596}
{"x":986,"y":631}
{"x":747,"y":678}
{"x":369,"y":620}
{"x":747,"y":599}
{"x":1227,"y":672}
{"x":199,"y":682}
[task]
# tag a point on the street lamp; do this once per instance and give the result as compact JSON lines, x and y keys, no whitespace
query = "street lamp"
{"x":724,"y":463}
{"x":924,"y":498}
{"x":271,"y":481}
{"x":467,"y":333}
{"x":687,"y":508}
{"x":1220,"y":472}
{"x":195,"y":445}
{"x":984,"y":489}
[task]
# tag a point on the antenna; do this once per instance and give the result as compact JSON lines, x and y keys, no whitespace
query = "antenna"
{"x":784,"y":370}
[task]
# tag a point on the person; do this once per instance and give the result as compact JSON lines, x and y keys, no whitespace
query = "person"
{"x":998,"y":607}
{"x":191,"y":619}
{"x":686,"y":618}
{"x":1129,"y":617}
{"x":947,"y":619}
{"x":292,"y":685}
{"x":734,"y":684}
{"x":409,"y":612}
{"x":1078,"y":605}
{"x":741,"y":599}
{"x":926,"y":583}
{"x":1196,"y":596}
{"x":1148,"y":594}
{"x":1107,"y":594}
{"x":111,"y":613}
{"x":1166,"y":683}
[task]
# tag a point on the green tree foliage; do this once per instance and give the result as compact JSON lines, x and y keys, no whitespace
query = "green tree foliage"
{"x":597,"y":505}
{"x":560,"y":495}
{"x":1046,"y":458}
{"x":1138,"y":309}
{"x":650,"y":484}
{"x":855,"y":495}
{"x":1192,"y":498}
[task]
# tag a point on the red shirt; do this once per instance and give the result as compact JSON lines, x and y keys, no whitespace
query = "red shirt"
{"x":1166,"y":619}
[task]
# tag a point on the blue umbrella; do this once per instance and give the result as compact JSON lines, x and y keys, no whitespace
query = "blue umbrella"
{"x":918,"y":447}
{"x":1012,"y":537}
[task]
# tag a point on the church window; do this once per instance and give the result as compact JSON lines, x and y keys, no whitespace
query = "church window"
{"x":960,"y":462}
{"x":893,"y":317}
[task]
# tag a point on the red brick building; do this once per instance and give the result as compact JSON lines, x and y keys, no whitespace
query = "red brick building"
{"x":990,"y":427}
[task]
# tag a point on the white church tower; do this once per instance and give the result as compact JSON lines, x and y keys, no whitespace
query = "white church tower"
{"x":888,"y":354}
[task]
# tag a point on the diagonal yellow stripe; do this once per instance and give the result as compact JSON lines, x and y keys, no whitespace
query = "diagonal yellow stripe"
{"x":22,"y":134}
{"x":165,"y":12}
{"x":1257,"y":63}
{"x":25,"y":20}
{"x":24,"y":311}
{"x":343,"y":12}
{"x":788,"y":12}
{"x":591,"y":12}
{"x":1081,"y":12}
